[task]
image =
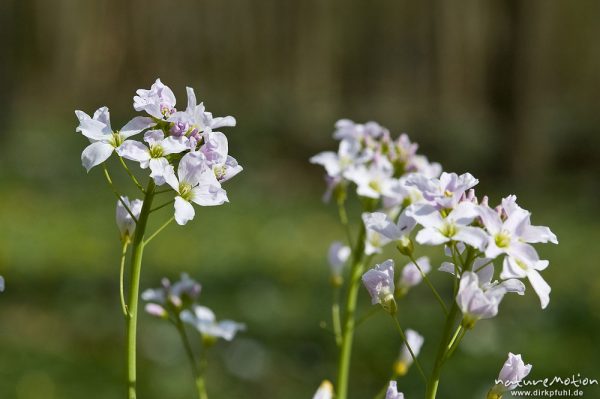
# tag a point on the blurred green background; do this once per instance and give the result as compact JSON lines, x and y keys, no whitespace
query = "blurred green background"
{"x":507,"y":90}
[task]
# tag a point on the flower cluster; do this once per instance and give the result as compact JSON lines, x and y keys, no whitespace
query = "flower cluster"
{"x":181,"y":149}
{"x":406,"y":200}
{"x":178,"y":303}
{"x":376,"y":163}
{"x":450,"y":215}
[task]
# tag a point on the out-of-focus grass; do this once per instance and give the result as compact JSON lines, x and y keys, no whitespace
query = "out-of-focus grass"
{"x":261,"y":260}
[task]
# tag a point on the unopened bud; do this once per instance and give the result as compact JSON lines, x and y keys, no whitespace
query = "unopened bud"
{"x":405,"y":246}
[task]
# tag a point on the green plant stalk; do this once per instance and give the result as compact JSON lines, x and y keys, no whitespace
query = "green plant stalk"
{"x":356,"y":272}
{"x":198,"y":375}
{"x":434,"y":379}
{"x":134,"y":288}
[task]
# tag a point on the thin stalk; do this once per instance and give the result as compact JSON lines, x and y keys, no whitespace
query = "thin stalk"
{"x":122,"y":278}
{"x":161,"y":228}
{"x":434,"y":379}
{"x":133,"y":178}
{"x":198,"y":375}
{"x":134,"y":288}
{"x":356,"y":272}
{"x":374,"y":310}
{"x":162,"y":206}
{"x":435,"y":292}
{"x":453,"y":345}
{"x":114,"y":190}
{"x":335,"y":316}
{"x":412,"y":354}
{"x":344,"y":220}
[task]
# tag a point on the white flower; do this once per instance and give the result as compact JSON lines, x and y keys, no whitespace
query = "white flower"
{"x":411,"y":275}
{"x":204,"y":320}
{"x":215,"y":150}
{"x":325,"y":391}
{"x":196,"y":119}
{"x":194,"y":182}
{"x":125,"y":222}
{"x":158,"y":102}
{"x":438,"y":229}
{"x":405,"y":360}
{"x":373,"y":181}
{"x":345,"y":129}
{"x":180,"y":294}
{"x":446,"y":191}
{"x":512,"y":237}
{"x":480,"y":299}
{"x":1,"y":284}
{"x":338,"y":255}
{"x":374,"y":241}
{"x":379,"y":281}
{"x":104,"y":141}
{"x":336,"y":163}
{"x":153,"y":156}
{"x":513,"y":372}
{"x":384,"y":225}
{"x":392,"y":391}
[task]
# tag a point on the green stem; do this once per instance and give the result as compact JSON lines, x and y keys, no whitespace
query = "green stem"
{"x":412,"y":354}
{"x":455,"y":342}
{"x":134,"y":287}
{"x":133,"y":178}
{"x":434,"y":379}
{"x":162,"y":205}
{"x":335,"y":316}
{"x":116,"y":193}
{"x":356,"y":272}
{"x":435,"y":292}
{"x":161,"y":228}
{"x":198,"y":375}
{"x":122,"y":277}
{"x":344,"y":220}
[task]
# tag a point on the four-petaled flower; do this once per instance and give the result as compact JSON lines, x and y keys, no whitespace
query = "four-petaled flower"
{"x":104,"y":140}
{"x":195,"y":182}
{"x":205,"y":321}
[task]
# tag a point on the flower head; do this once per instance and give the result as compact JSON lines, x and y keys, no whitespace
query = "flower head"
{"x":392,"y":391}
{"x":338,"y":256}
{"x":512,"y":373}
{"x":125,"y":221}
{"x":325,"y":391}
{"x":445,"y":192}
{"x":205,"y":321}
{"x":415,"y":341}
{"x":411,"y":275}
{"x":379,"y":281}
{"x":171,"y":298}
{"x":103,"y":139}
{"x":195,"y":182}
{"x":440,"y":228}
{"x":479,"y":299}
{"x":158,"y":102}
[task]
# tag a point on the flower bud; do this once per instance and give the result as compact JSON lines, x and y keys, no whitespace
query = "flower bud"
{"x":405,"y":246}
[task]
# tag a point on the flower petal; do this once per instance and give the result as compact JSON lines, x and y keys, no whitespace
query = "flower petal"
{"x":184,"y":211}
{"x":95,"y":153}
{"x":134,"y":151}
{"x":136,"y":125}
